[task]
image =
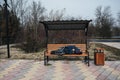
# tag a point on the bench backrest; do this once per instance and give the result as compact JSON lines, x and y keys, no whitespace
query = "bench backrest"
{"x":51,"y":47}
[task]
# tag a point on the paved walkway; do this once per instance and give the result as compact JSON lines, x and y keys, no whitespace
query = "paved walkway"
{"x":112,"y":44}
{"x":58,"y":70}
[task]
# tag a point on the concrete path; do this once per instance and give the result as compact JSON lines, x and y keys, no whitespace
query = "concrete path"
{"x":58,"y":70}
{"x":112,"y":44}
{"x":5,"y":46}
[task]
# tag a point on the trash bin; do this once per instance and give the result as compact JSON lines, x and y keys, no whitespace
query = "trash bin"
{"x":99,"y":56}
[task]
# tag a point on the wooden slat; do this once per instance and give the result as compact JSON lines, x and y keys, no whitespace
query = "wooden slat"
{"x":83,"y":54}
{"x":51,"y":47}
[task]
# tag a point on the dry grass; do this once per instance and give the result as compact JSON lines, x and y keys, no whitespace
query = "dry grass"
{"x":17,"y":53}
{"x":110,"y":52}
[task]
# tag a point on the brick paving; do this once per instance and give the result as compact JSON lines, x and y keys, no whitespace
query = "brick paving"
{"x":58,"y":70}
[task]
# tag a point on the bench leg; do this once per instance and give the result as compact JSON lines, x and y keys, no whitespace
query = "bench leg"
{"x":86,"y":59}
{"x":47,"y":59}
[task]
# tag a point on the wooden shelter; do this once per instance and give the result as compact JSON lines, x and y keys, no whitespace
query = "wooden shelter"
{"x":66,"y":25}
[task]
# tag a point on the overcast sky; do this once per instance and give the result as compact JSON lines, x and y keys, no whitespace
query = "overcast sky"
{"x":83,"y":8}
{"x":80,"y":8}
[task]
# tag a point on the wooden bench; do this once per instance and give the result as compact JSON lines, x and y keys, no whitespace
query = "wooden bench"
{"x":51,"y":47}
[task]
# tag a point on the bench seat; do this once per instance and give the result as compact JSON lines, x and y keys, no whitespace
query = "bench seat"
{"x":51,"y":47}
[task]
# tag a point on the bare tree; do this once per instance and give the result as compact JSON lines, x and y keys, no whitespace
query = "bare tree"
{"x":37,"y":14}
{"x":33,"y":29}
{"x":104,"y":21}
{"x":19,"y":8}
{"x":118,"y":19}
{"x":116,"y":29}
{"x":56,"y":15}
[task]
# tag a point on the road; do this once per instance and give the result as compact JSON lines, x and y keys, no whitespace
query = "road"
{"x":112,"y":44}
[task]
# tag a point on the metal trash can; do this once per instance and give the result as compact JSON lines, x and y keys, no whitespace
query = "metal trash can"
{"x":99,"y":56}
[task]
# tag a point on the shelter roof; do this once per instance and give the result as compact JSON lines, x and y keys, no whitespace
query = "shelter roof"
{"x":66,"y":24}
